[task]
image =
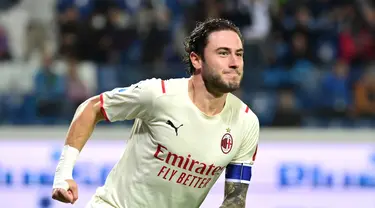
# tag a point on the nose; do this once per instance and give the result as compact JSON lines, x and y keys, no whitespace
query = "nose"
{"x":234,"y":62}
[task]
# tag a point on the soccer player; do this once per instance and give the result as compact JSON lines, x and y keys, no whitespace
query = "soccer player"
{"x":186,"y":133}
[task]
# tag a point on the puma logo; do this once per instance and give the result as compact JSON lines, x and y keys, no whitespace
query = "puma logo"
{"x":170,"y":123}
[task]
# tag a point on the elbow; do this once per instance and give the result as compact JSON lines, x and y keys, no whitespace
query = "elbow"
{"x":92,"y":108}
{"x":91,"y":102}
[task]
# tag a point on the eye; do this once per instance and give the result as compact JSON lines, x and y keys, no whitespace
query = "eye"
{"x":240,"y":54}
{"x":224,"y":53}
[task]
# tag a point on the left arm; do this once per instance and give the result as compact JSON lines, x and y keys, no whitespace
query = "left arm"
{"x":235,"y":195}
{"x":238,"y":172}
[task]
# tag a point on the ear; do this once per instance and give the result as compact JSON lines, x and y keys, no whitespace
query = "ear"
{"x":196,"y":60}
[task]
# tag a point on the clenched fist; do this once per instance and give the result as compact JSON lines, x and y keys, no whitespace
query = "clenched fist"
{"x":67,"y":196}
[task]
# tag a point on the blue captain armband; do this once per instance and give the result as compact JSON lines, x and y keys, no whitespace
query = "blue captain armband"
{"x":238,"y":173}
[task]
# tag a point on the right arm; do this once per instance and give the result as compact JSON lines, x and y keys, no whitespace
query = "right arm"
{"x":116,"y":105}
{"x":87,"y":115}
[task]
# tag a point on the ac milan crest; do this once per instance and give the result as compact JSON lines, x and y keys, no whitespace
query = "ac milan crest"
{"x":226,"y":142}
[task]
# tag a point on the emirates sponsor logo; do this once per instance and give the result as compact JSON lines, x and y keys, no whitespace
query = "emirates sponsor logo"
{"x":185,"y":170}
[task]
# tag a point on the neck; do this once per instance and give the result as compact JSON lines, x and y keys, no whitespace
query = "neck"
{"x":207,"y":102}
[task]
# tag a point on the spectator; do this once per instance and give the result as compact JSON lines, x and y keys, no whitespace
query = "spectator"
{"x":365,"y":94}
{"x":96,"y":43}
{"x":49,"y":90}
{"x":122,"y":30}
{"x":194,"y":12}
{"x":300,"y":49}
{"x":304,"y":20}
{"x":35,"y":39}
{"x":69,"y":25}
{"x":355,"y":41}
{"x":76,"y":90}
{"x":4,"y":48}
{"x":261,"y":21}
{"x":155,"y":18}
{"x":287,"y":113}
{"x":7,"y":4}
{"x":335,"y":100}
{"x":199,"y":11}
{"x":40,"y":31}
{"x":300,"y":64}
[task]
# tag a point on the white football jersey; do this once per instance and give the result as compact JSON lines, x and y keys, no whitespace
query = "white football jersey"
{"x":175,"y":152}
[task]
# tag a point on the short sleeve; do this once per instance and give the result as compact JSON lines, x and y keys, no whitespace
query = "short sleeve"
{"x":249,"y":146}
{"x":131,"y":102}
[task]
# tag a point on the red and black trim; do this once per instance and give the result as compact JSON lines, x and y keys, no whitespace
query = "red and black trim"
{"x":247,"y":109}
{"x":163,"y":86}
{"x":102,"y":108}
{"x":255,"y":153}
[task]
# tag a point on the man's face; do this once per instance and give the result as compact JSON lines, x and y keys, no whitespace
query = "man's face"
{"x":222,"y":68}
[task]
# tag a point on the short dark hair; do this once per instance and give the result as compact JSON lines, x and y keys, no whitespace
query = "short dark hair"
{"x":197,"y":40}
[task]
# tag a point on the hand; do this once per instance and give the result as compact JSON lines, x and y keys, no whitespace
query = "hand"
{"x":66,"y":196}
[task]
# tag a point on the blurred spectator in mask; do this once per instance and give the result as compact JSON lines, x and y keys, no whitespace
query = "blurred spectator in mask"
{"x":4,"y":48}
{"x":49,"y":90}
{"x":365,"y":94}
{"x":335,"y":100}
{"x":287,"y":113}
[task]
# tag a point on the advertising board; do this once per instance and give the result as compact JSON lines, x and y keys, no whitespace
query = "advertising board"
{"x":287,"y":173}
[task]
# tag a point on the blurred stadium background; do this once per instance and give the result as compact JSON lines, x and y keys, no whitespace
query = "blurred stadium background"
{"x":309,"y":69}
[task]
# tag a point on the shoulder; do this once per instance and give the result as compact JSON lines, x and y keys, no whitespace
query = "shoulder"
{"x":152,"y":87}
{"x":142,"y":91}
{"x":243,"y":111}
{"x":174,"y":86}
{"x":150,"y":84}
{"x":155,"y":87}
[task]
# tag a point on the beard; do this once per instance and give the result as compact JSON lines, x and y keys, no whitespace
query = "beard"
{"x":215,"y":83}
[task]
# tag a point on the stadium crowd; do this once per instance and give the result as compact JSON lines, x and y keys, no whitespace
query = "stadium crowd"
{"x":307,"y":63}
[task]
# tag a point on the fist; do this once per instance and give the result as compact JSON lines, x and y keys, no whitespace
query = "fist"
{"x":66,"y":196}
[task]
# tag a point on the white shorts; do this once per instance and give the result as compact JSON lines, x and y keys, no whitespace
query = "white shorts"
{"x":97,"y":202}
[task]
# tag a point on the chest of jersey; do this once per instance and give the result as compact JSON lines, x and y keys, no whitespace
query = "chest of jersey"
{"x":188,"y":139}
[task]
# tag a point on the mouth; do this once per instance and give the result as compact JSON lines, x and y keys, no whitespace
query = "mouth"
{"x":231,"y":72}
